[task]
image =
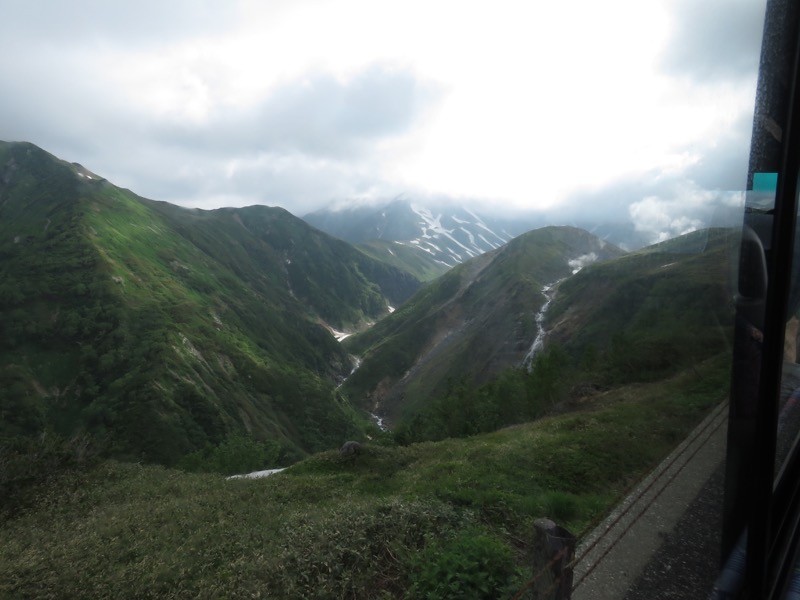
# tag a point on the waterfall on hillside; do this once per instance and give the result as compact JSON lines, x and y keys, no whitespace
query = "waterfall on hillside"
{"x":379,"y":422}
{"x":356,"y":361}
{"x":356,"y":364}
{"x":549,"y":292}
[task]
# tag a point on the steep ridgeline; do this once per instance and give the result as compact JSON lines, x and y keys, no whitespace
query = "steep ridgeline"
{"x":648,"y":313}
{"x":163,"y":329}
{"x":427,"y":240}
{"x":473,"y":322}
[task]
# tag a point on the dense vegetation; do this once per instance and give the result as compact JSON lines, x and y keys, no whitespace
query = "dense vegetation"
{"x":133,"y":331}
{"x":515,"y":396}
{"x":640,"y":317}
{"x":470,"y":324}
{"x":166,"y":331}
{"x":394,"y":522}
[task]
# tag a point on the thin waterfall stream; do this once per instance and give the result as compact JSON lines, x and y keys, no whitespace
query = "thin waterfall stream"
{"x":549,"y":292}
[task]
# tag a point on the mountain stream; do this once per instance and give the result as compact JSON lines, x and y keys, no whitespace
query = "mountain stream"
{"x":549,"y":292}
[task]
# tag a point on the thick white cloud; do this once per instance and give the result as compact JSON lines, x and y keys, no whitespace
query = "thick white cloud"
{"x":304,"y":102}
{"x":688,"y":208}
{"x":714,"y":40}
{"x":316,"y":115}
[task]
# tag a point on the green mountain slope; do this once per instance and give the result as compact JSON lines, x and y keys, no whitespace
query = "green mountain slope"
{"x":163,"y":329}
{"x":473,"y":322}
{"x":655,"y":310}
{"x":391,"y":523}
{"x":405,"y":257}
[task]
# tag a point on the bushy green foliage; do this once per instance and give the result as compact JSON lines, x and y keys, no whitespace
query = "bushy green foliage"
{"x":164,"y":330}
{"x":328,"y":527}
{"x":142,"y":324}
{"x":29,"y":465}
{"x":347,"y":552}
{"x":650,"y":314}
{"x":236,"y":454}
{"x":515,"y":396}
{"x":471,"y":566}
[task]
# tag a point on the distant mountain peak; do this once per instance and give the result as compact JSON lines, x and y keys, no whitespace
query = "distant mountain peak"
{"x":447,"y":234}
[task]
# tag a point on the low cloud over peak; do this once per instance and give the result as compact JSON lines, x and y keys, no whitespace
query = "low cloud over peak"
{"x":304,"y":103}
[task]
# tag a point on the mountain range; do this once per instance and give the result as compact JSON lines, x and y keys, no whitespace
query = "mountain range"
{"x":475,"y":321}
{"x":617,"y":318}
{"x":545,"y":375}
{"x":164,"y":330}
{"x":444,"y":235}
{"x":441,"y":234}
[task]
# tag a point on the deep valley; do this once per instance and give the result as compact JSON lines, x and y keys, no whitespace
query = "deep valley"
{"x":148,"y":350}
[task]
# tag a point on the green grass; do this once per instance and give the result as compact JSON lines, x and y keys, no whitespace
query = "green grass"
{"x":330,"y":527}
{"x":165,"y":329}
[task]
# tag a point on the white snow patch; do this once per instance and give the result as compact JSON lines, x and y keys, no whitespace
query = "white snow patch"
{"x":492,"y":244}
{"x":339,"y":335}
{"x":474,"y":216}
{"x":256,"y":474}
{"x":483,"y":226}
{"x":434,"y":224}
{"x":469,"y":234}
{"x":434,"y":246}
{"x":459,"y":221}
{"x":418,"y":246}
{"x":390,"y":308}
{"x":390,"y":251}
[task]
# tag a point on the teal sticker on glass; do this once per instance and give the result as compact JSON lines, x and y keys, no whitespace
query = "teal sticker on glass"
{"x":765,"y":182}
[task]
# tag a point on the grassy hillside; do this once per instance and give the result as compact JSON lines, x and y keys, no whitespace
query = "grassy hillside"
{"x":395,"y":522}
{"x":475,"y":321}
{"x":264,"y":245}
{"x":199,"y":338}
{"x":163,"y":329}
{"x":652,"y":311}
{"x":405,"y":257}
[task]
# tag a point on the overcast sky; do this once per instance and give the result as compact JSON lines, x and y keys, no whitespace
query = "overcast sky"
{"x":640,"y":108}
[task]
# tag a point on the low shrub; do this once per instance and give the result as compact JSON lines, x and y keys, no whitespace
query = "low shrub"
{"x":470,"y":566}
{"x":28,"y":464}
{"x":348,"y":550}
